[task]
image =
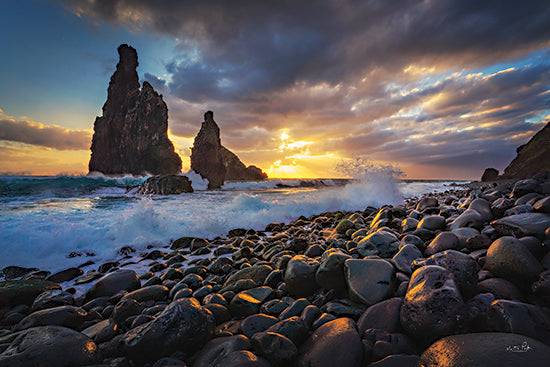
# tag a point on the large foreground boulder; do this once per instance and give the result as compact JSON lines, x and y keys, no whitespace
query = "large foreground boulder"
{"x":336,"y":343}
{"x":433,"y":305}
{"x":183,"y":326}
{"x":49,"y":346}
{"x":486,"y":350}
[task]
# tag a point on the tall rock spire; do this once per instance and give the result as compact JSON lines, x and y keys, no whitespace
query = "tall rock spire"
{"x":216,"y":163}
{"x":132,"y":135}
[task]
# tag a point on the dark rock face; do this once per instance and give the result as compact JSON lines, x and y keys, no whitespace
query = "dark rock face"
{"x":214,"y":162}
{"x":165,"y":185}
{"x":532,"y":158}
{"x":490,"y":174}
{"x":131,"y":136}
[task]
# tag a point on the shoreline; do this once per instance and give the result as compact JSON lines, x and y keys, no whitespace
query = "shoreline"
{"x":346,"y":287}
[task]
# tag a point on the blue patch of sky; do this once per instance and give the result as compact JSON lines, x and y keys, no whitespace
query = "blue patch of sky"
{"x":56,"y":66}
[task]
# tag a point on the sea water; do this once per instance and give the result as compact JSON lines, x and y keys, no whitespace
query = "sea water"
{"x":56,"y":222}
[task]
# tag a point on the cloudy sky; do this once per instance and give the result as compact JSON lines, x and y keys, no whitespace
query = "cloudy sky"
{"x":438,"y":89}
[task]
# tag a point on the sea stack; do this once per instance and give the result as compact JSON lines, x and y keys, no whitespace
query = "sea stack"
{"x":214,"y":162}
{"x":132,"y":135}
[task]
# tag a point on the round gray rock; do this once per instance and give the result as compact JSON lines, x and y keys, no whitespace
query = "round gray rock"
{"x":508,"y":258}
{"x":330,"y":274}
{"x":300,"y":276}
{"x":369,"y":281}
{"x":112,"y":283}
{"x":50,"y":346}
{"x":381,"y":243}
{"x":336,"y":343}
{"x":183,"y":326}
{"x":433,"y":304}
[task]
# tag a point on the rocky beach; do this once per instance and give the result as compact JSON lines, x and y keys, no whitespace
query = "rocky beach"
{"x":460,"y":278}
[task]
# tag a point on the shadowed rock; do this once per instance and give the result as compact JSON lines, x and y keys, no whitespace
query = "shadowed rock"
{"x":532,"y":158}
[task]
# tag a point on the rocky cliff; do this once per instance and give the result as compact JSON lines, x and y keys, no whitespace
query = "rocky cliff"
{"x":132,"y":135}
{"x":532,"y":158}
{"x":214,"y":162}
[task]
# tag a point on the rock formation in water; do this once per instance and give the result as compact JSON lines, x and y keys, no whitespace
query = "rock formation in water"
{"x":532,"y":158}
{"x":163,"y":185}
{"x":132,"y":135}
{"x":214,"y":162}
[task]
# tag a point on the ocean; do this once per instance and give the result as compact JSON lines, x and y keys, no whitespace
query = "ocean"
{"x":56,"y":222}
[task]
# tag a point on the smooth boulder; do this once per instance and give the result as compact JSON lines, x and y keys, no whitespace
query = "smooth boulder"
{"x":183,"y":326}
{"x":486,"y":350}
{"x":433,"y":305}
{"x":369,"y":281}
{"x":112,"y":283}
{"x":50,"y":346}
{"x":509,"y":259}
{"x":336,"y":343}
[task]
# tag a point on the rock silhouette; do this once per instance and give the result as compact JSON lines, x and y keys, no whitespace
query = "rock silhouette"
{"x":214,"y":162}
{"x":132,"y":135}
{"x":532,"y":158}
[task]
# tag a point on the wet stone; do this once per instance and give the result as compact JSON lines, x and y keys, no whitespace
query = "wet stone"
{"x":217,"y":349}
{"x":47,"y":346}
{"x":183,"y":326}
{"x":52,"y":298}
{"x":300,"y":276}
{"x":67,"y":316}
{"x":65,"y":275}
{"x":433,"y":306}
{"x":336,"y":343}
{"x":369,"y":281}
{"x":275,"y":348}
{"x":443,"y":241}
{"x":248,"y":302}
{"x":114,"y":282}
{"x":509,"y":259}
{"x":257,"y":323}
{"x":16,"y":292}
{"x":486,"y":350}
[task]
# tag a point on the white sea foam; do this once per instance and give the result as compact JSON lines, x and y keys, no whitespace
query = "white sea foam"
{"x":41,"y":233}
{"x":197,"y":182}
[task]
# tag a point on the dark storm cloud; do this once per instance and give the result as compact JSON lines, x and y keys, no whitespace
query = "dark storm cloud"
{"x":244,"y":49}
{"x":43,"y":135}
{"x":403,"y":81}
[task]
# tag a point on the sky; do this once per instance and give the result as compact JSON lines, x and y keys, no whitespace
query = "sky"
{"x":437,"y":89}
